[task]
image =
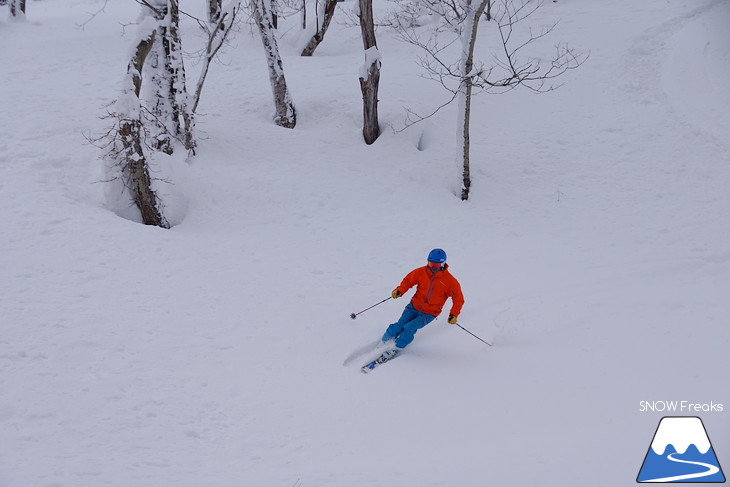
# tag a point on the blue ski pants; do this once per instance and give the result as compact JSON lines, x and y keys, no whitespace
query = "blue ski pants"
{"x":406,"y":327}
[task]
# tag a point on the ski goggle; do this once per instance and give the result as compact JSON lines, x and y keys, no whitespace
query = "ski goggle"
{"x":435,"y":266}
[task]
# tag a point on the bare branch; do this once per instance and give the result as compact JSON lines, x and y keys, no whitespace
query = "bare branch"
{"x":92,"y":16}
{"x":217,"y":37}
{"x":145,"y":3}
{"x":413,"y":118}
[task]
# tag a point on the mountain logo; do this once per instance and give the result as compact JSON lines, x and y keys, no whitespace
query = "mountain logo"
{"x":681,"y":452}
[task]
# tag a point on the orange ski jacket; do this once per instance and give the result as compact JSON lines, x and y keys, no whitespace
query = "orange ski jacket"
{"x":432,"y":290}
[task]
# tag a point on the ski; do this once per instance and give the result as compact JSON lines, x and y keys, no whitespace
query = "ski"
{"x":363,"y":350}
{"x":384,"y":357}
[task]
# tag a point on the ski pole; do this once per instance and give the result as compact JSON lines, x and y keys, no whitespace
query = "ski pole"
{"x":354,"y":315}
{"x":472,"y":334}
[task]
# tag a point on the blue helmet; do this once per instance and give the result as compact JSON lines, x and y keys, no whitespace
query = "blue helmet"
{"x":437,"y":255}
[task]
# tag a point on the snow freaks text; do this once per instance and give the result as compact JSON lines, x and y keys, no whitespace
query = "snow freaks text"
{"x":680,"y":407}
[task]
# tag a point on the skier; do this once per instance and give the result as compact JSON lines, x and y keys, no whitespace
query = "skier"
{"x":434,"y":284}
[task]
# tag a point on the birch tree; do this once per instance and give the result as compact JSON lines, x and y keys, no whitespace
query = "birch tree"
{"x":472,"y":13}
{"x":369,"y":73}
{"x":17,"y":9}
{"x":286,"y":115}
{"x":171,"y":103}
{"x":127,"y":148}
{"x":459,"y":22}
{"x":152,"y":112}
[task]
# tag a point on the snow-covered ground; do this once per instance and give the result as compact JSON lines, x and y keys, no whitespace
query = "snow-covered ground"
{"x":594,"y":252}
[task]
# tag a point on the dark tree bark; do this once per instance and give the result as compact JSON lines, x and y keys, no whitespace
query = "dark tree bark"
{"x":137,"y":175}
{"x":134,"y":69}
{"x":131,"y":155}
{"x":17,"y":8}
{"x":215,"y":9}
{"x":370,"y":76}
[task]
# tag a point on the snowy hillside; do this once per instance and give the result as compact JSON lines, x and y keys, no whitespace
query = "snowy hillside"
{"x":594,"y":252}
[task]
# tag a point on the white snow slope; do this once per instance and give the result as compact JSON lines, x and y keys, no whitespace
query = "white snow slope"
{"x":594,"y":252}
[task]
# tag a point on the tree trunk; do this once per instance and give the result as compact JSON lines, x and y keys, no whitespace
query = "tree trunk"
{"x":17,"y":8}
{"x":130,"y":133}
{"x":469,"y":38}
{"x":167,"y":74}
{"x":318,"y":37}
{"x":181,"y":113}
{"x":464,"y":120}
{"x":215,"y":10}
{"x":217,"y":35}
{"x":286,"y":115}
{"x":136,"y":174}
{"x":370,"y":73}
{"x":134,"y":68}
{"x":158,"y":87}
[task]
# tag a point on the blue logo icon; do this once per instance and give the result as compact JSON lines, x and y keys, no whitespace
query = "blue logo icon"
{"x":681,"y":452}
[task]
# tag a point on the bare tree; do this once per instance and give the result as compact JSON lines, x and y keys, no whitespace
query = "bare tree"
{"x":472,"y":14}
{"x":459,"y":23}
{"x":325,"y":10}
{"x":219,"y":26}
{"x":286,"y":115}
{"x":369,"y":73}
